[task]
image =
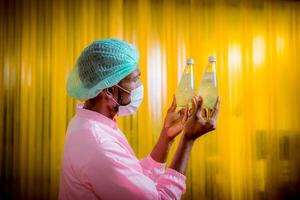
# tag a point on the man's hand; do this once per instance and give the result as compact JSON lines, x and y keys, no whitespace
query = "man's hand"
{"x":174,"y":124}
{"x":197,"y":125}
{"x":175,"y":121}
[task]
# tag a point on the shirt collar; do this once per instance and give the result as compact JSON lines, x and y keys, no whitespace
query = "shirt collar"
{"x":95,"y":116}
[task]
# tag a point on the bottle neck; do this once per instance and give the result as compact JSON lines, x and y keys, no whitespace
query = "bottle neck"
{"x":211,"y":67}
{"x":188,"y":69}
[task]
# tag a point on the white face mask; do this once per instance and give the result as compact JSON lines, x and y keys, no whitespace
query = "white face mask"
{"x":136,"y":96}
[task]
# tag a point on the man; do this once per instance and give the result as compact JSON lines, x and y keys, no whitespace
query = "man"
{"x":98,"y":162}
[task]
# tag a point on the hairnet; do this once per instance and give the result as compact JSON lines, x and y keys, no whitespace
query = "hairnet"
{"x":101,"y":64}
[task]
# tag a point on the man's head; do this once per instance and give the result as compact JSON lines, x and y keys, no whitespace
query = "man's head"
{"x":122,"y":91}
{"x":121,"y":98}
{"x":106,"y":73}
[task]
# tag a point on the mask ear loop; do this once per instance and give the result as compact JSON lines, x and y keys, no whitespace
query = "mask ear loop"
{"x":123,"y":89}
{"x":108,"y":93}
{"x":121,"y":97}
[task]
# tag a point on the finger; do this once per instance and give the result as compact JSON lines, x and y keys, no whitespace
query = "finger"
{"x":181,"y":112}
{"x":185,"y":116}
{"x":216,"y":108}
{"x":173,"y":106}
{"x":210,"y":112}
{"x":194,"y":105}
{"x":203,"y":113}
{"x":199,"y":104}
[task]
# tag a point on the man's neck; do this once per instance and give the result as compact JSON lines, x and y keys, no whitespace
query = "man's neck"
{"x":100,"y":109}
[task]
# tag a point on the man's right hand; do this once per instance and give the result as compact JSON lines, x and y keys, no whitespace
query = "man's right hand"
{"x":197,"y":125}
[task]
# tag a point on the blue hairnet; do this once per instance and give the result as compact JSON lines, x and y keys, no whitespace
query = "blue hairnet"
{"x":102,"y":64}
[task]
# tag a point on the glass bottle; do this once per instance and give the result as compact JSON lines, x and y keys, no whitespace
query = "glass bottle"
{"x":209,"y":87}
{"x":185,"y":89}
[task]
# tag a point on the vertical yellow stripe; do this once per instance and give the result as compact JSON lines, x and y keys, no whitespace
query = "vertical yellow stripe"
{"x":253,"y":154}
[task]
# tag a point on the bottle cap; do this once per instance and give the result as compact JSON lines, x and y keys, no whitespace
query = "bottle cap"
{"x":190,"y":61}
{"x":212,"y":59}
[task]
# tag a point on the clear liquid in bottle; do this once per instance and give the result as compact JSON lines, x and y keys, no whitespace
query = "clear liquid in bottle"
{"x":209,"y":88}
{"x":185,"y":89}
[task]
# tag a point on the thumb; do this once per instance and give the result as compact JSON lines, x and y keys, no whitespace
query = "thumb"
{"x":198,"y":106}
{"x":173,"y":106}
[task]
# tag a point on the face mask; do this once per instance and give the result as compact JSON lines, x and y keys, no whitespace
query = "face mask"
{"x":136,"y":96}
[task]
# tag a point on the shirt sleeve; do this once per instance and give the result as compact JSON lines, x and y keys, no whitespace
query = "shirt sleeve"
{"x":112,"y":173}
{"x":152,"y":168}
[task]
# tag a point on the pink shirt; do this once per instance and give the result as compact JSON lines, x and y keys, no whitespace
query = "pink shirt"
{"x":98,"y":163}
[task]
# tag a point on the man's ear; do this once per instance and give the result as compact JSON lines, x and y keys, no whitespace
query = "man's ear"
{"x":110,"y":90}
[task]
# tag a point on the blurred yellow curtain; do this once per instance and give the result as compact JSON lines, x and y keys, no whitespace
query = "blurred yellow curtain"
{"x":253,"y":154}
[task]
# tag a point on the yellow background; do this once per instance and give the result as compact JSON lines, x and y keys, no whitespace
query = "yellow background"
{"x":253,"y":154}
